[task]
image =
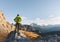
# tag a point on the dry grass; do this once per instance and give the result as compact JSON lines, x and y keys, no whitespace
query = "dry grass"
{"x":31,"y":35}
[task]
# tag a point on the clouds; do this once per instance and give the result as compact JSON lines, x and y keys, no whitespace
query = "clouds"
{"x":25,"y":20}
{"x":38,"y":21}
{"x":51,"y":21}
{"x":54,"y":20}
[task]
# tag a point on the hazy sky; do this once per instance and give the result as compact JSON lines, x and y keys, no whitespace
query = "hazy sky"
{"x":37,"y":11}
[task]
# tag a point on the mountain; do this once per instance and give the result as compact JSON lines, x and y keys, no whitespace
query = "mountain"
{"x":48,"y":28}
{"x":5,"y":27}
{"x":53,"y":28}
{"x":37,"y":28}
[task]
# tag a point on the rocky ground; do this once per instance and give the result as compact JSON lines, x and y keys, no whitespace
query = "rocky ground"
{"x":12,"y":37}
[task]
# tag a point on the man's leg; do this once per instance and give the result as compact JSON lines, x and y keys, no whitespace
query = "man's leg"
{"x":18,"y":29}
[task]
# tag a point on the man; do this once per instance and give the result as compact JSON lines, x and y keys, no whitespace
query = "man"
{"x":17,"y":19}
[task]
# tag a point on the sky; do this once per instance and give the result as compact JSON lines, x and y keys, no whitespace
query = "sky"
{"x":41,"y":12}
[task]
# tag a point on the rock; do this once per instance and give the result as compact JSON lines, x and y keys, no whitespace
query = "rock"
{"x":5,"y":27}
{"x":10,"y":37}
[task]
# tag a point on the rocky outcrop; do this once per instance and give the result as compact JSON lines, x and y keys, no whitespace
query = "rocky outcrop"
{"x":5,"y":27}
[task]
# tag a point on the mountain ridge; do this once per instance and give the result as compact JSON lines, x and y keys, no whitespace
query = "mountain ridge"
{"x":5,"y":27}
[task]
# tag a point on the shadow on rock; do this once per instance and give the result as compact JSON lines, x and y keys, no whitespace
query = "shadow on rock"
{"x":10,"y":37}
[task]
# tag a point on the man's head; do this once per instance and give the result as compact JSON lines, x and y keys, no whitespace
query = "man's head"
{"x":17,"y":14}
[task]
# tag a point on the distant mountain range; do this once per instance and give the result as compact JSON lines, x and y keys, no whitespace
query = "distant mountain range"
{"x":48,"y":28}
